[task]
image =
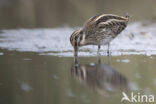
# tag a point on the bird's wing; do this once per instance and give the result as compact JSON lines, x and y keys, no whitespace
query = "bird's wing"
{"x":115,"y":25}
{"x":89,"y":25}
{"x":93,"y":23}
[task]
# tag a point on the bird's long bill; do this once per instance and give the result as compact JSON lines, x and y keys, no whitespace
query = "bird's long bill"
{"x":76,"y":55}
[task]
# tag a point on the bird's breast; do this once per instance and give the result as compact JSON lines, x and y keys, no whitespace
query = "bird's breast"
{"x":106,"y":40}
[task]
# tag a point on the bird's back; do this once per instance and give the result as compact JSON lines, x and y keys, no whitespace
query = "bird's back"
{"x":104,"y":27}
{"x":95,"y":20}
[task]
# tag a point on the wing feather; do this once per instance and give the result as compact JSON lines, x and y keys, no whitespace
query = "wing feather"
{"x":116,"y":26}
{"x":102,"y":20}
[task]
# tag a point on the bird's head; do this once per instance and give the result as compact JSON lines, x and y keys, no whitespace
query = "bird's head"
{"x":77,"y":38}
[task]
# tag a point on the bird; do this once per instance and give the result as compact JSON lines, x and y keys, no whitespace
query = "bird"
{"x":98,"y":30}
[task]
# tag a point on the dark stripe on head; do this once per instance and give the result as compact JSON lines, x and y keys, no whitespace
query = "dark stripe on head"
{"x":80,"y":39}
{"x":72,"y":36}
{"x":76,"y":37}
{"x":71,"y":39}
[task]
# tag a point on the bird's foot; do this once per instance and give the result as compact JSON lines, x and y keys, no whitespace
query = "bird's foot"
{"x":108,"y":53}
{"x":98,"y":54}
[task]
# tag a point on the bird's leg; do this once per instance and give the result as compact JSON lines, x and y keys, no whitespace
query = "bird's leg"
{"x":98,"y":52}
{"x":76,"y":55}
{"x":108,"y":50}
{"x":108,"y":54}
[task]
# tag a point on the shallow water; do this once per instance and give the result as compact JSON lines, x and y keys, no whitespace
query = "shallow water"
{"x":31,"y":78}
{"x":137,"y":38}
{"x":36,"y":67}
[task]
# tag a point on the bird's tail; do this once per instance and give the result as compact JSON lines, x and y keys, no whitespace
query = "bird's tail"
{"x":127,"y":16}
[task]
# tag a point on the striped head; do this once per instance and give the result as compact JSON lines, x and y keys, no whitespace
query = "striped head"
{"x":77,"y":38}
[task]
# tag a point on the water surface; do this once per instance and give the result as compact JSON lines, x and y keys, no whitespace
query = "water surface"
{"x":36,"y":66}
{"x":31,"y":78}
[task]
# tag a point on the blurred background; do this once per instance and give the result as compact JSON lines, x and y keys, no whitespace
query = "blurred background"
{"x":36,"y":64}
{"x":56,"y":13}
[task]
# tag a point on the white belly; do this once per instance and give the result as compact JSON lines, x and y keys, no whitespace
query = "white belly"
{"x":106,"y":41}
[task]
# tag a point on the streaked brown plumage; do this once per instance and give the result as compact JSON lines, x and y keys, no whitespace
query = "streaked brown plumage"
{"x":98,"y":30}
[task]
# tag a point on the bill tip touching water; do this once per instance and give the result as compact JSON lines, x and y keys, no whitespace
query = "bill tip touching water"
{"x":78,"y":52}
{"x":98,"y":30}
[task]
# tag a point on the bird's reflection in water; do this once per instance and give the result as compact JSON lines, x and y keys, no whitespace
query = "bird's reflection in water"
{"x":102,"y":78}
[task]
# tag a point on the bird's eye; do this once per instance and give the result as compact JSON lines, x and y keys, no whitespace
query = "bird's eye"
{"x":76,"y":38}
{"x":80,"y":37}
{"x":81,"y":32}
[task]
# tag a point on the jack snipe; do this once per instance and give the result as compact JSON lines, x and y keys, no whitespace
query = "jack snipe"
{"x":98,"y":30}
